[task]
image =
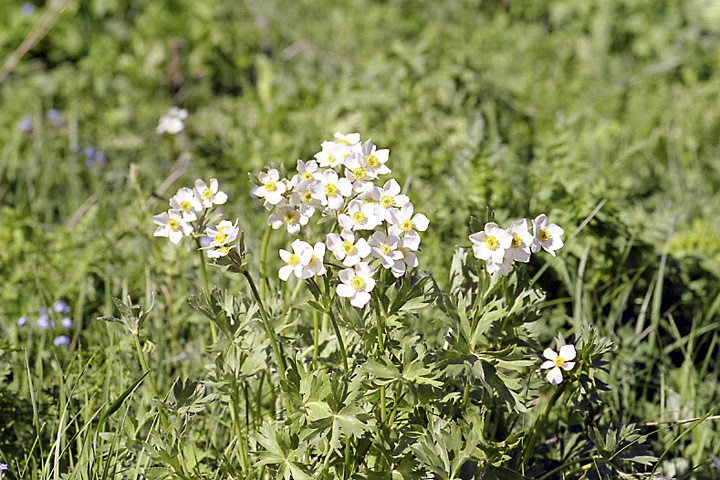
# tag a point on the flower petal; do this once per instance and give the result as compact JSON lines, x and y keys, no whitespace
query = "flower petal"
{"x":567,"y":352}
{"x":554,"y":376}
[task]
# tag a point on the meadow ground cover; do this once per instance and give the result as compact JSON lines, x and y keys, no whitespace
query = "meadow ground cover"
{"x":496,"y":257}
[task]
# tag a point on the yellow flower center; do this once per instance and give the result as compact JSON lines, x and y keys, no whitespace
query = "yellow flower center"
{"x":343,"y":141}
{"x":491,"y":242}
{"x":219,"y":238}
{"x":385,"y":248}
{"x":306,"y":197}
{"x":330,"y":190}
{"x":313,"y":261}
{"x":289,"y":217}
{"x":358,"y":217}
{"x":224,"y":249}
{"x":270,"y":186}
{"x":185,"y":206}
{"x":406,"y":225}
{"x":207,"y":193}
{"x":307,"y":175}
{"x":293,"y":260}
{"x":368,"y":200}
{"x":357,"y":282}
{"x":544,"y":235}
{"x":372,"y":161}
{"x":359,"y":173}
{"x":387,"y":201}
{"x":403,"y":251}
{"x":173,"y":224}
{"x":516,"y":241}
{"x":348,"y":248}
{"x":559,"y":361}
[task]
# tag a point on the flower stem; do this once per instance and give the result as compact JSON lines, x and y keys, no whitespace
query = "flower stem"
{"x":267,"y":325}
{"x":206,"y":285}
{"x":381,"y":349}
{"x":151,"y":383}
{"x":341,"y":344}
{"x":540,"y":423}
{"x":262,"y":272}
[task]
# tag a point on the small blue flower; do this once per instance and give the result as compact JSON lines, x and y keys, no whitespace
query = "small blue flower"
{"x":25,"y":125}
{"x":67,"y":322}
{"x":44,"y":322}
{"x":27,"y":9}
{"x":61,"y":340}
{"x":22,"y":321}
{"x":93,"y":156}
{"x":54,"y":116}
{"x":61,"y":307}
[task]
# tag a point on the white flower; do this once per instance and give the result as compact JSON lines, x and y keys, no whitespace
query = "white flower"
{"x":294,"y":264}
{"x":209,"y":195}
{"x":406,"y":247}
{"x":389,"y":196}
{"x":334,"y":153}
{"x":291,"y":217}
{"x":357,"y":283}
{"x":555,"y":362}
{"x":306,"y":172}
{"x":374,"y":160}
{"x":351,"y":139}
{"x":385,"y":247}
{"x":356,"y":172}
{"x":490,"y":244}
{"x":314,"y":264}
{"x":222,"y":236}
{"x":346,"y":249}
{"x":331,"y":190}
{"x":271,"y":188}
{"x":502,"y":268}
{"x":546,"y":236}
{"x":171,"y":225}
{"x":360,"y":216}
{"x":188,"y":203}
{"x":172,"y":121}
{"x":403,"y":223}
{"x":519,"y":249}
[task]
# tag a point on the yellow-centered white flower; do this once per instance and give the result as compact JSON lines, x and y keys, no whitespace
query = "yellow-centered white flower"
{"x":357,"y":283}
{"x":188,"y":203}
{"x":490,"y":244}
{"x":171,"y":225}
{"x":546,"y":236}
{"x":345,"y":248}
{"x":209,"y":195}
{"x":557,"y":362}
{"x":271,"y":188}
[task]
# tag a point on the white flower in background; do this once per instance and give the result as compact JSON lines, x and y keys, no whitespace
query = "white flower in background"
{"x":374,"y":160}
{"x":271,"y":188}
{"x":172,"y":121}
{"x":357,"y":283}
{"x":490,"y":244}
{"x":172,"y":225}
{"x":546,"y":236}
{"x":360,"y":216}
{"x":389,"y":196}
{"x":188,"y":203}
{"x":519,"y":249}
{"x":385,"y":247}
{"x":557,"y":361}
{"x":222,"y":236}
{"x":291,"y":217}
{"x":350,"y":140}
{"x":294,"y":264}
{"x":306,"y":172}
{"x":345,"y":248}
{"x":209,"y":195}
{"x":404,"y":224}
{"x":331,"y":190}
{"x":407,"y":246}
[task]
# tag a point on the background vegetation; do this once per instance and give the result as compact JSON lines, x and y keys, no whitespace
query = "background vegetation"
{"x":523,"y":107}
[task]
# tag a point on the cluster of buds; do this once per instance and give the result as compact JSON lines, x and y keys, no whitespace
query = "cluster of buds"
{"x":377,"y":223}
{"x":501,"y":248}
{"x":189,"y":215}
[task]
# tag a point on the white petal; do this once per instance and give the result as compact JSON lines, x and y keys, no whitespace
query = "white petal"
{"x":567,"y":352}
{"x":568,"y":366}
{"x":554,"y":376}
{"x":345,"y":290}
{"x":360,"y":299}
{"x":547,"y":364}
{"x":550,"y":354}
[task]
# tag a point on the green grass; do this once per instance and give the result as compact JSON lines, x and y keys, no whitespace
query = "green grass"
{"x":520,"y":107}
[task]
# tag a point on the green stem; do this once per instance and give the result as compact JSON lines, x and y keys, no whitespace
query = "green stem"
{"x":206,"y":285}
{"x":316,"y":335}
{"x":238,"y":428}
{"x":341,"y":344}
{"x":540,"y":423}
{"x":466,"y":393}
{"x":267,"y":325}
{"x":262,"y":272}
{"x":381,"y":350}
{"x":151,"y":383}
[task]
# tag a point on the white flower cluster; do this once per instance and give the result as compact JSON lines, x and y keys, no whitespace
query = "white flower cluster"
{"x":188,"y":214}
{"x":501,"y":248}
{"x":378,"y":224}
{"x":172,"y":121}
